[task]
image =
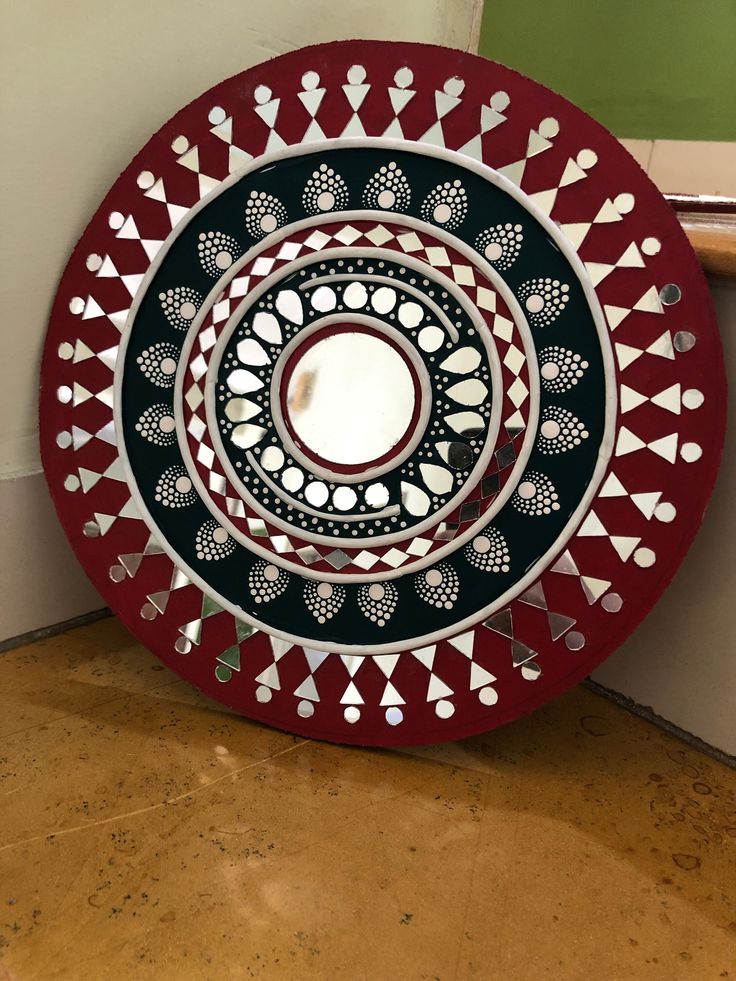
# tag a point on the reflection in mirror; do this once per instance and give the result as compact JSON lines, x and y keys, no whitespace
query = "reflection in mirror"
{"x":458,"y":455}
{"x":272,"y":458}
{"x":292,"y":478}
{"x":467,"y":424}
{"x":350,"y":398}
{"x":317,"y":493}
{"x":247,"y":435}
{"x":241,"y":410}
{"x":377,"y":496}
{"x":414,"y":499}
{"x":438,"y":479}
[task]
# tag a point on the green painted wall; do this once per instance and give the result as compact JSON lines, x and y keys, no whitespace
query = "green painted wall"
{"x":644,"y":68}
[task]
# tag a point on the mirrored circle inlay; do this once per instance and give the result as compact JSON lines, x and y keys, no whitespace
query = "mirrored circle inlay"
{"x":350,"y":398}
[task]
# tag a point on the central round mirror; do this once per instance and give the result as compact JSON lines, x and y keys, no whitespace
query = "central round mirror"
{"x":350,"y":397}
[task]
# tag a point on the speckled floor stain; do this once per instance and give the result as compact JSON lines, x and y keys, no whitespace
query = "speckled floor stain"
{"x":147,"y":833}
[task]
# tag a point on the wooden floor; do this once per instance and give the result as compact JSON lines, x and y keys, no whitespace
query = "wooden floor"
{"x":146,"y":833}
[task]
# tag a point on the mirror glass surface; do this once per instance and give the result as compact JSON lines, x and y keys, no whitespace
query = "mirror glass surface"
{"x":350,"y":398}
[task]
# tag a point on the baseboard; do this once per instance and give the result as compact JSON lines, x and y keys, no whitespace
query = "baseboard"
{"x":647,"y":713}
{"x":41,"y":633}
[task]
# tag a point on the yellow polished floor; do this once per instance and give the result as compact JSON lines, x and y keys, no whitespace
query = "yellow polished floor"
{"x":146,"y":833}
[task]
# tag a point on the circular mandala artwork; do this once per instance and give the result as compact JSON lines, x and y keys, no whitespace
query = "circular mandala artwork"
{"x":382,"y":395}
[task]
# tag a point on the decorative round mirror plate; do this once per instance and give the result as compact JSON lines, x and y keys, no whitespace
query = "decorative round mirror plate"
{"x":382,"y":396}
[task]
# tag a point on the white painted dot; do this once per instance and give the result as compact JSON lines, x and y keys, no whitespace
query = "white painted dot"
{"x":326,"y":201}
{"x":217,"y":115}
{"x":168,"y":366}
{"x":270,"y":573}
{"x":624,"y":203}
{"x":356,"y":74}
{"x":481,"y":544}
{"x":665,"y":512}
{"x":550,"y":371}
{"x":187,"y":310}
{"x":549,"y":128}
{"x":64,"y":440}
{"x":166,"y":424}
{"x":94,"y":262}
{"x":534,"y":303}
{"x":493,"y":251}
{"x":263,"y":694}
{"x":310,"y":80}
{"x":690,"y":452}
{"x":376,"y":591}
{"x":76,"y":305}
{"x":351,"y":714}
{"x":223,"y":260}
{"x":324,"y":590}
{"x":219,"y":535}
{"x":526,"y":490}
{"x":269,"y":223}
{"x":433,"y":577}
{"x":305,"y":709}
{"x":692,"y":398}
{"x":66,"y":351}
{"x":116,"y":220}
{"x":454,"y":86}
{"x":72,"y":483}
{"x":145,"y":180}
{"x":488,"y":696}
{"x":180,"y":144}
{"x":444,"y":709}
{"x":262,"y":94}
{"x":183,"y":485}
{"x":500,"y":101}
{"x":386,"y":199}
{"x":651,"y":246}
{"x":644,"y":557}
{"x":587,"y":158}
{"x":442,"y":213}
{"x":550,"y":429}
{"x":404,"y":77}
{"x":64,"y":394}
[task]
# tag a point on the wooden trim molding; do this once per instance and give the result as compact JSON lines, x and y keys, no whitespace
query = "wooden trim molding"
{"x":709,"y":221}
{"x":714,"y":239}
